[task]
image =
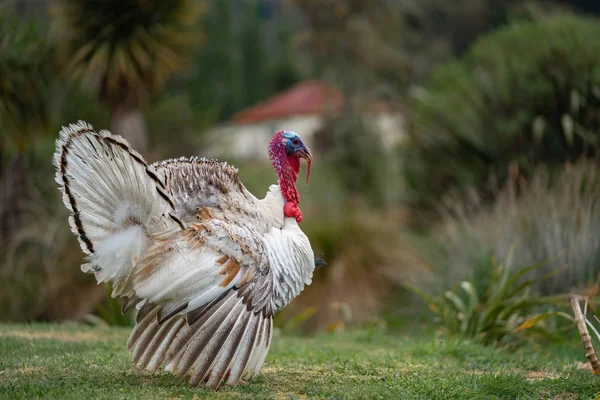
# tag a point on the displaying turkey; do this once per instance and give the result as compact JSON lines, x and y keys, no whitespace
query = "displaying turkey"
{"x":203,"y":260}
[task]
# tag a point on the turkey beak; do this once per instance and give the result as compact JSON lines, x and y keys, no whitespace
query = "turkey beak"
{"x":305,"y":153}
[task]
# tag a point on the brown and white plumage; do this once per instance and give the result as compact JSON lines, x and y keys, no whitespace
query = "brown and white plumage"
{"x":205,"y":262}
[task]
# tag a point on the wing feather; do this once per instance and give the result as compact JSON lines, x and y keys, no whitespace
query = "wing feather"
{"x":170,"y":309}
{"x":232,"y":347}
{"x":227,"y":340}
{"x":242,"y":356}
{"x":160,"y":355}
{"x":210,"y":337}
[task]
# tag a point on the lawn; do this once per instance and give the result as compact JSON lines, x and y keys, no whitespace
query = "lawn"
{"x":72,"y":361}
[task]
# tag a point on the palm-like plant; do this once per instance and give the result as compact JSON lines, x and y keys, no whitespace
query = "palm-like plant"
{"x":125,"y":50}
{"x":25,"y":70}
{"x":499,"y":308}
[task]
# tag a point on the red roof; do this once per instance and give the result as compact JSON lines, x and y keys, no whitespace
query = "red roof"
{"x":309,"y":97}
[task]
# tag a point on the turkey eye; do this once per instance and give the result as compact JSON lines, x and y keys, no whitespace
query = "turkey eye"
{"x":295,"y":142}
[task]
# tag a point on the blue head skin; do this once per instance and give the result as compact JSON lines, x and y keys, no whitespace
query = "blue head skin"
{"x":294,"y":146}
{"x":293,"y":143}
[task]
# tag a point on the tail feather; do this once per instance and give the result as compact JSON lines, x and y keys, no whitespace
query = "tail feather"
{"x":203,"y":367}
{"x":114,"y":198}
{"x":161,"y":352}
{"x":226,"y":356}
{"x":141,"y":326}
{"x":261,"y":348}
{"x":226,"y":341}
{"x":242,"y":356}
{"x":157,"y":336}
{"x":209,"y":339}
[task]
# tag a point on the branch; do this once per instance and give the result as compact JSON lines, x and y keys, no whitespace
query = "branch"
{"x":590,"y":353}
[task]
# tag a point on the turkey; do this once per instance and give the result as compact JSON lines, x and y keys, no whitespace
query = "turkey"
{"x":204,"y":261}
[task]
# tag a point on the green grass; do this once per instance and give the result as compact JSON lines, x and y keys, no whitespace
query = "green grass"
{"x":80,"y":362}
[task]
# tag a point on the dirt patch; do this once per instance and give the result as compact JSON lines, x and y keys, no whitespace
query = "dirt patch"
{"x":61,"y":336}
{"x":305,"y":369}
{"x":30,"y":370}
{"x":562,"y":396}
{"x":583,"y":365}
{"x":541,"y":375}
{"x":22,"y":371}
{"x":289,"y":396}
{"x":409,"y":368}
{"x":529,"y":375}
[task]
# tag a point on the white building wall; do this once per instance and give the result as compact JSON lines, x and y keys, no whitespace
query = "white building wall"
{"x":249,"y":141}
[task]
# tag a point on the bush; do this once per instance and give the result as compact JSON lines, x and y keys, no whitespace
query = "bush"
{"x":40,"y":278}
{"x":527,"y":93}
{"x":496,"y":309}
{"x":351,"y":147}
{"x":543,"y":217}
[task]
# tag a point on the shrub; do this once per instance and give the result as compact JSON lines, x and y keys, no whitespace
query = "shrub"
{"x":40,"y":277}
{"x":543,"y":216}
{"x":110,"y":310}
{"x":496,"y":309}
{"x":351,"y":147}
{"x":527,"y":93}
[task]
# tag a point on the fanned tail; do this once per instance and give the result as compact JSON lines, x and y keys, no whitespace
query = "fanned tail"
{"x":220,"y":343}
{"x":114,"y":198}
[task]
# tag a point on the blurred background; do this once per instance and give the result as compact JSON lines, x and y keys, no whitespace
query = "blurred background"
{"x":455,"y":143}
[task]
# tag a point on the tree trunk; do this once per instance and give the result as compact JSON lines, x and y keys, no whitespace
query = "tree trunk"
{"x":129,"y":123}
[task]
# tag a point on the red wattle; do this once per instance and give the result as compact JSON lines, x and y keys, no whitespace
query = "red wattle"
{"x":292,"y":210}
{"x":287,"y":168}
{"x":294,"y":166}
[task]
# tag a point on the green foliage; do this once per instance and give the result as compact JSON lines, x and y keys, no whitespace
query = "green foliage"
{"x":356,"y":155}
{"x":126,"y":50}
{"x":589,"y":6}
{"x":169,"y":113}
{"x":72,"y":361}
{"x":110,"y":311}
{"x":495,"y":309}
{"x":72,"y":103}
{"x":39,"y":274}
{"x":355,"y":47}
{"x":527,"y":93}
{"x":243,"y":61}
{"x":25,"y":70}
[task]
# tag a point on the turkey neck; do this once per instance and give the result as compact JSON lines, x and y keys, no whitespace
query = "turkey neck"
{"x":287,"y":168}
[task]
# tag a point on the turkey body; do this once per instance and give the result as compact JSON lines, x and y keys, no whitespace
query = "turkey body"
{"x":205,"y":262}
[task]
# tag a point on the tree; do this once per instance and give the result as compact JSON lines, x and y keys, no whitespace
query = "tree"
{"x":25,"y":70}
{"x":512,"y":99}
{"x":125,"y":50}
{"x":355,"y":46}
{"x":246,"y":59}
